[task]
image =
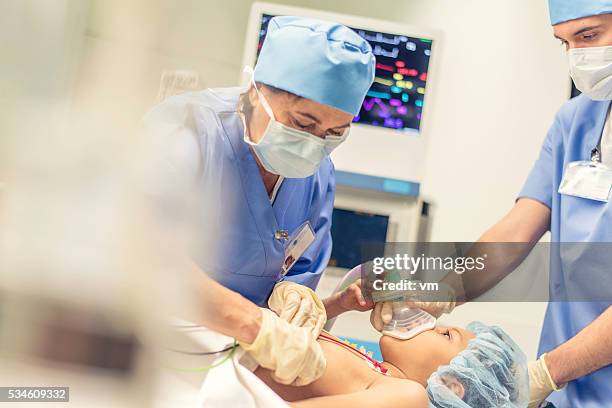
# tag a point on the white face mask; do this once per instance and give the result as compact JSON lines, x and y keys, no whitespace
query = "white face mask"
{"x":289,"y":152}
{"x":591,"y":70}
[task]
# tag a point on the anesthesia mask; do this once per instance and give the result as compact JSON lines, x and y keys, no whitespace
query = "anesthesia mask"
{"x":406,"y":323}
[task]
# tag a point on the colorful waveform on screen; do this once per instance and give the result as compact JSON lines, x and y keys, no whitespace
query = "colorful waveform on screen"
{"x":397,"y":95}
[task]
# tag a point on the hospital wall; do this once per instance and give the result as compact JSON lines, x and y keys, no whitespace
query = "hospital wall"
{"x":501,"y":78}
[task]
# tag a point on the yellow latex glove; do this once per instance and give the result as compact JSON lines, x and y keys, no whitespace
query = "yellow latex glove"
{"x":436,"y":308}
{"x":541,"y":384}
{"x":298,"y":305}
{"x":290,"y":352}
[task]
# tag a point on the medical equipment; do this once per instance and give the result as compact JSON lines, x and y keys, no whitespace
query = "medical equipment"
{"x":351,"y":229}
{"x":399,"y":100}
{"x":446,"y":303}
{"x":370,"y":211}
{"x":407,"y":323}
{"x":490,"y":372}
{"x":395,"y":99}
{"x":394,"y":317}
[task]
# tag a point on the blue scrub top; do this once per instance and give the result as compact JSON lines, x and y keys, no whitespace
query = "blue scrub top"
{"x":204,"y":142}
{"x":577,"y":129}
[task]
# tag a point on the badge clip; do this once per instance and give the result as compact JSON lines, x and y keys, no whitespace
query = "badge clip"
{"x":281,"y":234}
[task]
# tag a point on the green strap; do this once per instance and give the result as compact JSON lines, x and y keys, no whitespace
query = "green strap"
{"x":217,"y":364}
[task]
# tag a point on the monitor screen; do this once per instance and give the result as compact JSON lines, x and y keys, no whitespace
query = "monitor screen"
{"x":351,"y":232}
{"x":396,"y":98}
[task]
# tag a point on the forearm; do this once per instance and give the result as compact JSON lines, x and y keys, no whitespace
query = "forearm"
{"x":502,"y":257}
{"x":333,"y":307}
{"x":586,"y":352}
{"x":505,"y":246}
{"x":224,"y":310}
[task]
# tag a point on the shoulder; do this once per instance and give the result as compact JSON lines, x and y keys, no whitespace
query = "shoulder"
{"x":192,"y":115}
{"x":225,"y":99}
{"x":401,"y":393}
{"x":575,"y":119}
{"x":579,"y":108}
{"x":185,"y":130}
{"x":181,"y":109}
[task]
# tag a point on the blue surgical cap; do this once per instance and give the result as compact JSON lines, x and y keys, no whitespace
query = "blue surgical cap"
{"x":318,"y":60}
{"x":566,"y":10}
{"x":491,"y":372}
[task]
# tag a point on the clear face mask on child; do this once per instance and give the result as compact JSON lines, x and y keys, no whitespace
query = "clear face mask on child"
{"x":407,"y":323}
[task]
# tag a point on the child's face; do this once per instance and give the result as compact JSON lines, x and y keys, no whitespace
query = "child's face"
{"x":420,"y":356}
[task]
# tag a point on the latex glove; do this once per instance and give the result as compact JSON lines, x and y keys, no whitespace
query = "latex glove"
{"x":541,"y":384}
{"x":298,"y":305}
{"x":436,"y":308}
{"x":383,"y":311}
{"x":290,"y":352}
{"x":381,"y":315}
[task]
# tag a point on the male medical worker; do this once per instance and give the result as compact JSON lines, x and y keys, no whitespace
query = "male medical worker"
{"x":262,"y":154}
{"x":568,"y":193}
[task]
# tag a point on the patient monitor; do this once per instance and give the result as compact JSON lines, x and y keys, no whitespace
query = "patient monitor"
{"x":370,"y":211}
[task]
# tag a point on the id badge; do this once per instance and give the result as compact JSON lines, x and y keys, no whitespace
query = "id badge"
{"x":587,"y":179}
{"x":297,"y":244}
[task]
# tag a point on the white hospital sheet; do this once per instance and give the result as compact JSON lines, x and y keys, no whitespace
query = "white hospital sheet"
{"x":232,"y":384}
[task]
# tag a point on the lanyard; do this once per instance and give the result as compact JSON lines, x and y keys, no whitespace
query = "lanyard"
{"x":596,"y":151}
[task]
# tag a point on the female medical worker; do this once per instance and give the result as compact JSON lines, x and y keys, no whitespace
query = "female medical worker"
{"x":263,"y":154}
{"x":568,"y":192}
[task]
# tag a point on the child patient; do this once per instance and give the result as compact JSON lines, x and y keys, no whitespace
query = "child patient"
{"x":445,"y":366}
